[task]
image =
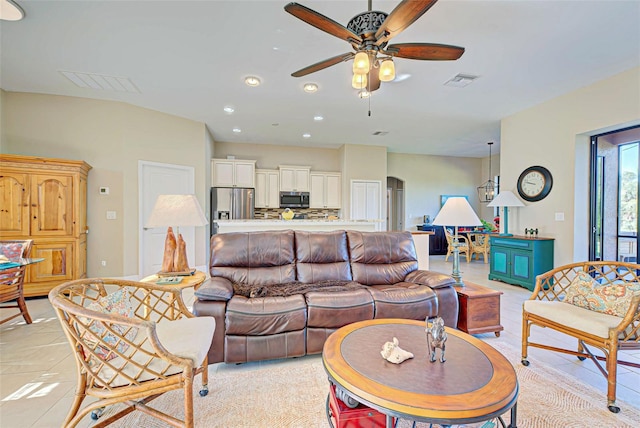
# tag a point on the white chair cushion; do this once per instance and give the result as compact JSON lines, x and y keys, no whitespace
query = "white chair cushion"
{"x":574,"y":317}
{"x":186,"y":338}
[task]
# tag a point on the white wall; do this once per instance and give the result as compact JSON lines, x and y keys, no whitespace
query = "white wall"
{"x":112,"y":137}
{"x":428,"y":177}
{"x":555,"y":134}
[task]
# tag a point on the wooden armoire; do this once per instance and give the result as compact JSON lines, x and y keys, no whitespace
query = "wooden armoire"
{"x":45,"y":200}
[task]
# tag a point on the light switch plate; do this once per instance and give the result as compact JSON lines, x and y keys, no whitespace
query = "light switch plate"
{"x":559,"y":216}
{"x":104,"y":190}
{"x":111,"y":215}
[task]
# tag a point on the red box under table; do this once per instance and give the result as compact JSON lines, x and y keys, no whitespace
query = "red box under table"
{"x":359,"y":417}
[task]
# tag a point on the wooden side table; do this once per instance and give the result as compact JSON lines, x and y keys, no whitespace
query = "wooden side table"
{"x":187,"y":280}
{"x":479,"y":309}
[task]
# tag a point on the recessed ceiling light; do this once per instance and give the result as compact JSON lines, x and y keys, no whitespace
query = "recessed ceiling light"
{"x":307,"y":135}
{"x":310,"y":87}
{"x":229,"y":109}
{"x":318,"y":118}
{"x":252,"y":81}
{"x":237,"y":130}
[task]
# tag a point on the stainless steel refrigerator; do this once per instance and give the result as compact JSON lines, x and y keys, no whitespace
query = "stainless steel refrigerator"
{"x":231,"y":203}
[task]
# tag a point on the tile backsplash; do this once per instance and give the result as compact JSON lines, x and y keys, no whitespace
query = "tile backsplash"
{"x":311,"y":213}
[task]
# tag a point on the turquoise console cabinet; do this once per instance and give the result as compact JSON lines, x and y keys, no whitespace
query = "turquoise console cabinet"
{"x":518,"y":260}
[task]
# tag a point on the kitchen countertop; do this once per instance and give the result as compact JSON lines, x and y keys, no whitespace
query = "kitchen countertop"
{"x":225,"y":226}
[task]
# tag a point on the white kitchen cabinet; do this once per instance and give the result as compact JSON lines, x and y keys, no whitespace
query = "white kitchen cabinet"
{"x":267,"y":189}
{"x":325,"y":191}
{"x":233,"y":173}
{"x":294,"y":178}
{"x":366,"y":201}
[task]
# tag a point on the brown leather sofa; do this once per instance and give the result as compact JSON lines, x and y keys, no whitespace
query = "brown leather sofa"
{"x":262,"y":328}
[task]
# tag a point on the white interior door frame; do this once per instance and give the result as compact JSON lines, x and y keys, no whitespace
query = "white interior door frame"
{"x":155,"y":179}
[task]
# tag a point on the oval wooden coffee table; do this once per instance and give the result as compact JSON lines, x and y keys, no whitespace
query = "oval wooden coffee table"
{"x":475,"y":384}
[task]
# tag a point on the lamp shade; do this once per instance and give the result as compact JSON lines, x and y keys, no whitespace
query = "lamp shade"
{"x":457,"y":212}
{"x":506,"y":199}
{"x":176,"y":210}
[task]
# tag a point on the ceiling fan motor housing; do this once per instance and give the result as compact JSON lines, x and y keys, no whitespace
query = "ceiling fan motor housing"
{"x":365,"y":25}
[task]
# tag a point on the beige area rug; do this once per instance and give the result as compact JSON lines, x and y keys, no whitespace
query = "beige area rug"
{"x":292,"y":393}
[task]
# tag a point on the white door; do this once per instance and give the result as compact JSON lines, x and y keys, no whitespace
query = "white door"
{"x":161,"y":179}
{"x":366,"y":197}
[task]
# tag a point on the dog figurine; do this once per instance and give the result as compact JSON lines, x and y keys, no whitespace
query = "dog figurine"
{"x":393,"y":353}
{"x":436,"y":337}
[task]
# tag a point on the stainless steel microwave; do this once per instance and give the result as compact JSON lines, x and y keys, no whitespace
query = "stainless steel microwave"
{"x":294,"y":199}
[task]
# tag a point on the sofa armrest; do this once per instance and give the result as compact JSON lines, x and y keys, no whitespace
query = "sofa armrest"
{"x":215,"y":288}
{"x":430,"y":279}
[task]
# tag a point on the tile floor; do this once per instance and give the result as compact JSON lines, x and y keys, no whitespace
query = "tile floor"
{"x":37,"y":372}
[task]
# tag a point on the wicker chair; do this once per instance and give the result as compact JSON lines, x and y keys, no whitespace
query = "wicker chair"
{"x":12,"y":280}
{"x":479,"y":243}
{"x":463,"y":245}
{"x":547,"y":308}
{"x":132,"y":342}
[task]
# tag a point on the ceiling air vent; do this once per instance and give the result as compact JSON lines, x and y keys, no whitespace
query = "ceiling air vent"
{"x":460,"y":80}
{"x":381,"y":133}
{"x":100,"y":81}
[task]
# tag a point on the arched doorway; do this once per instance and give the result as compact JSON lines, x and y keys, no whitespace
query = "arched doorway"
{"x":395,"y":203}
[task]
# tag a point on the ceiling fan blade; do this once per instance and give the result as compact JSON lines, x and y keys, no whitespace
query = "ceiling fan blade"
{"x":321,"y":22}
{"x":425,"y":51}
{"x":323,"y":64}
{"x":405,"y":14}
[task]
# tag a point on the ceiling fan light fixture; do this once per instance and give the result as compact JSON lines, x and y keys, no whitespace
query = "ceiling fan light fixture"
{"x":364,"y":94}
{"x":359,"y":81}
{"x":361,"y":63}
{"x":387,"y":70}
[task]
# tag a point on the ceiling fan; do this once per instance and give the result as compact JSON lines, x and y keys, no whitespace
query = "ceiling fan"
{"x":368,"y":33}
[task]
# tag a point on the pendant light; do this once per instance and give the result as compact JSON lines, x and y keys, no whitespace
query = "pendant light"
{"x":487,"y":191}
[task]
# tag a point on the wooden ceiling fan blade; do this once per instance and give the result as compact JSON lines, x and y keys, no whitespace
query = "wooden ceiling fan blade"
{"x":321,"y":22}
{"x":425,"y":51}
{"x":405,"y":14}
{"x":323,"y":64}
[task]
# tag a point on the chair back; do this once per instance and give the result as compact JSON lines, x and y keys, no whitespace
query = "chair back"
{"x":114,"y":339}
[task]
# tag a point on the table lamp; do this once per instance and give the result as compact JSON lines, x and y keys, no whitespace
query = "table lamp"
{"x":176,"y":210}
{"x":506,"y":199}
{"x":456,"y":212}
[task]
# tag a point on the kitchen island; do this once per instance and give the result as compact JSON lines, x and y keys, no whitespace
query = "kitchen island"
{"x":257,"y":225}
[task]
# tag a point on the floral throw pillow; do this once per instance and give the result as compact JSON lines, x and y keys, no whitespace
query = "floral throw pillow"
{"x":12,"y":251}
{"x":118,"y":303}
{"x":611,"y":299}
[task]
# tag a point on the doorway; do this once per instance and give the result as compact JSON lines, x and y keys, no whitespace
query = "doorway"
{"x":614,"y":212}
{"x":161,"y":179}
{"x":395,"y":204}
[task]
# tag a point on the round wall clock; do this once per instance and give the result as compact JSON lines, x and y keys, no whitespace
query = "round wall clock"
{"x":534,"y":184}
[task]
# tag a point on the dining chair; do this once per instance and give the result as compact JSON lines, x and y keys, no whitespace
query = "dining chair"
{"x":12,"y":279}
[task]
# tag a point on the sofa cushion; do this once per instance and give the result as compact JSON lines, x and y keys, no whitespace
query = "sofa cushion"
{"x":265,"y":315}
{"x":404,"y":300}
{"x":259,"y":258}
{"x":336,"y":309}
{"x":322,"y":256}
{"x":381,"y":257}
